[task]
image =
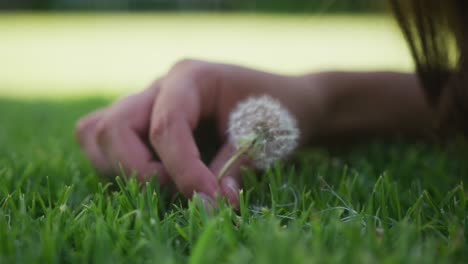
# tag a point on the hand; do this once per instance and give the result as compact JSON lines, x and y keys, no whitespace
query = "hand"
{"x":163,"y":117}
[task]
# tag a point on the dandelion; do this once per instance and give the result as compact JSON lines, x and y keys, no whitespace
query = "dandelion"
{"x":262,"y":129}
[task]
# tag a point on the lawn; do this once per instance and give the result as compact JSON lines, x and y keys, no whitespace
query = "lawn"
{"x":382,"y":202}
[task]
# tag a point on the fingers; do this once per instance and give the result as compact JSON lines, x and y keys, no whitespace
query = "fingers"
{"x":112,"y":138}
{"x":126,"y":150}
{"x":85,"y":132}
{"x":175,"y":146}
{"x":176,"y":112}
{"x":231,"y":181}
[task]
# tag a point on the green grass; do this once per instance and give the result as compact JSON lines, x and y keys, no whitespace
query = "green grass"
{"x":378,"y":203}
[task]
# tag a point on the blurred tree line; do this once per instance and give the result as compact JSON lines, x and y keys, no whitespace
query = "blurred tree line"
{"x":308,"y":6}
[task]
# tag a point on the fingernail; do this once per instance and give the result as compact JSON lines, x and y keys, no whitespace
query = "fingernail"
{"x":232,"y":190}
{"x":207,"y":201}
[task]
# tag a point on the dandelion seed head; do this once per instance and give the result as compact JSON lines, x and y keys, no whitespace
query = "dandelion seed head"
{"x":265,"y":121}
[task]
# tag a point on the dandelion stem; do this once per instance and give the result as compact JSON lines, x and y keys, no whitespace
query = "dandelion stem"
{"x":239,"y":152}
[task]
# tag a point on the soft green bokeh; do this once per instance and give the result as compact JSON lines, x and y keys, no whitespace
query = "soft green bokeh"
{"x":87,"y":54}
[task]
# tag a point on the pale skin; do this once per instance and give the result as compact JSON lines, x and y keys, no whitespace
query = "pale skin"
{"x":161,"y":119}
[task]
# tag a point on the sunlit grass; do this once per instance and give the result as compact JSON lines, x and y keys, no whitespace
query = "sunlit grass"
{"x":381,"y":203}
{"x":81,"y":54}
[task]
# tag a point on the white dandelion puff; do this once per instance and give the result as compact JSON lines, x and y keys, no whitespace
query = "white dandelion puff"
{"x":262,"y":129}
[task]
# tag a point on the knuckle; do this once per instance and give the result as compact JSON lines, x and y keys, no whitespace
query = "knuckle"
{"x":103,"y":128}
{"x":195,"y":69}
{"x":160,"y":124}
{"x":184,"y":64}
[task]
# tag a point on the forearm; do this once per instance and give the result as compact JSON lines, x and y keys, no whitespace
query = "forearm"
{"x":337,"y":106}
{"x":362,"y":105}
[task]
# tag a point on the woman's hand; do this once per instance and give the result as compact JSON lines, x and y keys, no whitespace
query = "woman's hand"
{"x":162,"y":119}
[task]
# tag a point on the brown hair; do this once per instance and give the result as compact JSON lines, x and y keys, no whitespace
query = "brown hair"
{"x":436,"y":32}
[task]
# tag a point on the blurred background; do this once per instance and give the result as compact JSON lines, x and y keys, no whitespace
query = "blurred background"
{"x":218,"y":5}
{"x":57,"y":48}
